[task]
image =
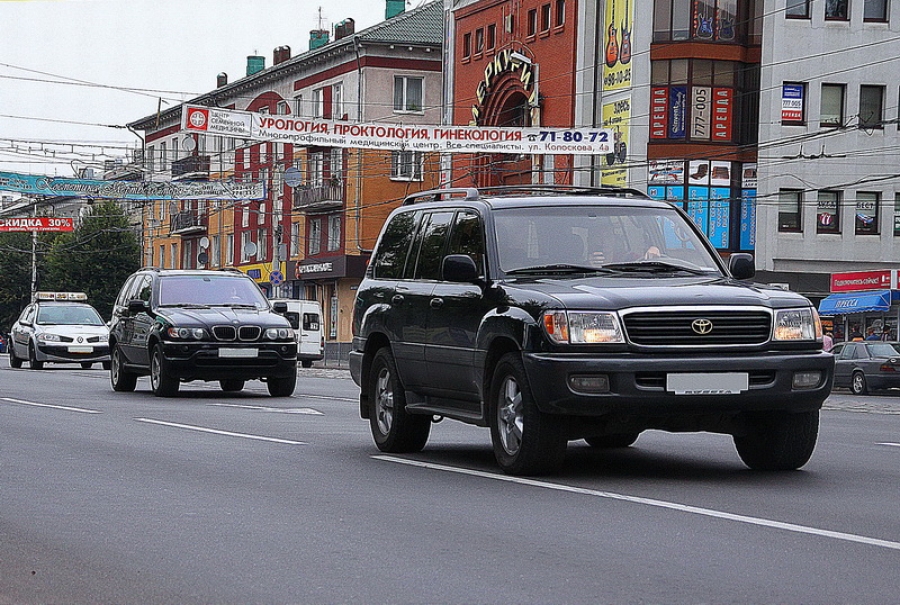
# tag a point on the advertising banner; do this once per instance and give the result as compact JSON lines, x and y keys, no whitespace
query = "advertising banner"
{"x":396,"y":137}
{"x":863,"y":280}
{"x":41,"y":224}
{"x":30,"y":184}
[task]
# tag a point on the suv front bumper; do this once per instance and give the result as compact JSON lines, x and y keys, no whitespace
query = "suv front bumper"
{"x":637,"y":384}
{"x":243,"y":361}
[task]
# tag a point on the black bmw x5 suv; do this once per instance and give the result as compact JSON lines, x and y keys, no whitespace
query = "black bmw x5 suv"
{"x":182,"y":325}
{"x":556,"y":314}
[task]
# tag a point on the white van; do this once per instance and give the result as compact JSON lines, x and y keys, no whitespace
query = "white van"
{"x":306,"y":319}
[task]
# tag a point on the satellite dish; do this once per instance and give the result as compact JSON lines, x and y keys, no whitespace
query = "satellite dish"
{"x":293,"y":177}
{"x":202,"y":258}
{"x":204,"y":243}
{"x":250,"y":249}
{"x":188,"y":143}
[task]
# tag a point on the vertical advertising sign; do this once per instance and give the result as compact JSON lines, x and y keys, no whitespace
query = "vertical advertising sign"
{"x":701,"y":112}
{"x":723,"y":108}
{"x":618,"y":24}
{"x":748,"y":220}
{"x":792,"y":103}
{"x":616,"y":118}
{"x":677,"y":111}
{"x":659,"y":112}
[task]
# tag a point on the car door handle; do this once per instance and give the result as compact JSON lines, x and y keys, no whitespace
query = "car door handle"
{"x":397,"y":299}
{"x":436,"y":303}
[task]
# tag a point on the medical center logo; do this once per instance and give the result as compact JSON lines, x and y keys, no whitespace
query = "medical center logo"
{"x":198,"y":119}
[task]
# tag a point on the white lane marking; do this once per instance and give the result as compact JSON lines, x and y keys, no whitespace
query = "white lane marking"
{"x":801,"y":529}
{"x":49,"y":405}
{"x":263,"y":408}
{"x":890,"y":444}
{"x":202,"y":429}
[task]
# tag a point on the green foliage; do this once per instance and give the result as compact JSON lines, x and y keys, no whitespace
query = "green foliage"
{"x":15,"y":276}
{"x":96,"y":258}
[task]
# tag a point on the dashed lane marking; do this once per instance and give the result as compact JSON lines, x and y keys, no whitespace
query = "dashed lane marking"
{"x":67,"y":408}
{"x":202,"y":429}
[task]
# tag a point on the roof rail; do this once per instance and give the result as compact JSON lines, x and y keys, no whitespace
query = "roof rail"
{"x":473,"y":193}
{"x":437,"y":195}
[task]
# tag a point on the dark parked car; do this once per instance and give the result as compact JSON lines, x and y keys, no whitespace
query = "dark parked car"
{"x":866,"y":366}
{"x":492,"y":307}
{"x":178,"y":326}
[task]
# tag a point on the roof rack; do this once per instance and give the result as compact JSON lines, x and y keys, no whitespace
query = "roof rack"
{"x":473,"y":193}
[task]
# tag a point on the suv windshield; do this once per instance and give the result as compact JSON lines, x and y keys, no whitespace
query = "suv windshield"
{"x":210,"y":291}
{"x":594,"y":237}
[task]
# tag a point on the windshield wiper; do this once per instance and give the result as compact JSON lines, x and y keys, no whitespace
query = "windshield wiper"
{"x":655,"y":266}
{"x":237,"y":305}
{"x":561,"y":268}
{"x":185,"y":306}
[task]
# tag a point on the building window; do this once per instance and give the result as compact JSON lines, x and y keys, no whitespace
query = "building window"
{"x":186,"y":253}
{"x":836,"y":10}
{"x":491,"y":37}
{"x":408,"y":94}
{"x":298,"y":107}
{"x":162,"y":256}
{"x":282,"y":108}
{"x":871,"y":107}
{"x":479,"y":41}
{"x":316,"y":170}
{"x":262,"y":244}
{"x":337,"y":102}
{"x":560,"y":13}
{"x":315,"y":237}
{"x":318,"y":103}
{"x":832,"y":109}
{"x":866,"y":213}
{"x":337,"y":165}
{"x":532,"y":23}
{"x":828,"y":213}
{"x":334,"y":232}
{"x":797,"y":9}
{"x":897,"y":215}
{"x":229,"y":249}
{"x":173,"y":256}
{"x":545,"y":18}
{"x":406,"y":165}
{"x":295,"y":239}
{"x":875,"y":10}
{"x":245,"y":246}
{"x":467,"y":45}
{"x":789,"y":210}
{"x":214,"y":251}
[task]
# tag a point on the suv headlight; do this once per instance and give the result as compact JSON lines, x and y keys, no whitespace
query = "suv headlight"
{"x":583,"y":327}
{"x":792,"y":325}
{"x":186,"y":333}
{"x":279,"y":334}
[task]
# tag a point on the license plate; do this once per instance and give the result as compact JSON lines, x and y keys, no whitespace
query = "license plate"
{"x":77,"y":349}
{"x":720,"y":383}
{"x":239,"y":353}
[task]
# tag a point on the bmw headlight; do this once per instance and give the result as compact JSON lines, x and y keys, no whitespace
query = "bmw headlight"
{"x":797,"y":325}
{"x":186,"y":333}
{"x":48,"y":337}
{"x":279,"y":334}
{"x":582,"y":327}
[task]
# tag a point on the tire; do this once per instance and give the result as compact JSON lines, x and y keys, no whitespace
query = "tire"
{"x":858,"y":384}
{"x":86,"y":365}
{"x":393,"y":428}
{"x":306,"y":363}
{"x":612,"y":441}
{"x":14,"y":362}
{"x":282,"y":387}
{"x":231,"y":385}
{"x":33,"y":362}
{"x":526,"y":441}
{"x":106,"y":365}
{"x":121,"y":380}
{"x":161,"y":383}
{"x":778,"y":441}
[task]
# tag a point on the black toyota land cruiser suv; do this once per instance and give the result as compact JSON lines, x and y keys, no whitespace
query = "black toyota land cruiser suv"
{"x":552,"y":314}
{"x":182,"y":325}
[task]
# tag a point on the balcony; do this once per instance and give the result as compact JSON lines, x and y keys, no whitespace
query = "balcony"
{"x":195,"y":165}
{"x":319,"y":198}
{"x":186,"y":222}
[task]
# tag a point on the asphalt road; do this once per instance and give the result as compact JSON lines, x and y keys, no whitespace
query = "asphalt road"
{"x":242,"y":498}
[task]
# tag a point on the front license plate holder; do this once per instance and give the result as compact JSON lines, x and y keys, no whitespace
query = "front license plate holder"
{"x":231,"y":353}
{"x":708,"y":383}
{"x":80,"y":349}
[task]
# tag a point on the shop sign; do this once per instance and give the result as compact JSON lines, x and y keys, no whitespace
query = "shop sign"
{"x":863,"y":280}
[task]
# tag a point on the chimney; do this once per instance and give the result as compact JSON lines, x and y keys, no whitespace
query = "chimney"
{"x":345,"y":28}
{"x":394,"y":8}
{"x":221,"y":80}
{"x":255,"y":64}
{"x":317,"y":38}
{"x":281,"y":54}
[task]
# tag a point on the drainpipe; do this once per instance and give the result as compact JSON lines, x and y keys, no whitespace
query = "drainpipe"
{"x":359,"y":152}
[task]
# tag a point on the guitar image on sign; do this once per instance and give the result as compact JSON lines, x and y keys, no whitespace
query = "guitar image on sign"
{"x":726,"y":29}
{"x":625,"y":50}
{"x":704,"y":28}
{"x":612,"y":46}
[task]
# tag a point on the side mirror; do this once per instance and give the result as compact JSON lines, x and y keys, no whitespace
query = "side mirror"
{"x":459,"y":268}
{"x":741,"y":265}
{"x":280,"y":307}
{"x":136,"y":305}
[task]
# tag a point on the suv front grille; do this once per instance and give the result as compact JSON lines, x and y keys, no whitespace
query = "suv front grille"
{"x":242,"y":333}
{"x":674,"y":328}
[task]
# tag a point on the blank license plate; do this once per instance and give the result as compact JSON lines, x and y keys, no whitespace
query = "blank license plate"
{"x":239,"y":353}
{"x":722,"y":383}
{"x":77,"y":349}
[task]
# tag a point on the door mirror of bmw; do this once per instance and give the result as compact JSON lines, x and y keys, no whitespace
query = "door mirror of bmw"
{"x":280,"y":307}
{"x":137,"y":305}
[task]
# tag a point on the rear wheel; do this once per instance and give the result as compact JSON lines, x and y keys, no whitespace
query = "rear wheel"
{"x":526,"y":441}
{"x":231,"y":385}
{"x":121,"y":379}
{"x":33,"y":361}
{"x":393,"y":428}
{"x":282,"y":387}
{"x":612,"y":441}
{"x":162,"y":384}
{"x":778,"y":441}
{"x":858,"y":384}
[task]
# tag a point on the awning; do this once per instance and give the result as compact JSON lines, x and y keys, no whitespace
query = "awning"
{"x":855,"y":302}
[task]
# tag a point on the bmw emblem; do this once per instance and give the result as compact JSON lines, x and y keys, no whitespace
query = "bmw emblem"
{"x":702,"y":326}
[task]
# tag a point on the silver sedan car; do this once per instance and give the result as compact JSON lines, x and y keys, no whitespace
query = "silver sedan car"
{"x":59,"y":328}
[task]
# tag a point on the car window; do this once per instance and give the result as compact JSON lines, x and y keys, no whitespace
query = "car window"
{"x":68,"y":315}
{"x":310,"y":321}
{"x":881,"y":349}
{"x":431,"y":250}
{"x":393,"y":249}
{"x":467,"y":237}
{"x":213,"y":290}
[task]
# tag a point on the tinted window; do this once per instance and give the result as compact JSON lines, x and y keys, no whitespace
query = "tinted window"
{"x":390,"y":259}
{"x":310,"y":321}
{"x":468,"y":238}
{"x":431,"y":252}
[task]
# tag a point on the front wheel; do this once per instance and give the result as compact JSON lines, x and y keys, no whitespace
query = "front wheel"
{"x":393,"y":428}
{"x":120,"y":379}
{"x":282,"y":387}
{"x":33,"y":361}
{"x":858,"y":384}
{"x":778,"y":441}
{"x":161,"y":383}
{"x":526,"y":441}
{"x":14,"y":362}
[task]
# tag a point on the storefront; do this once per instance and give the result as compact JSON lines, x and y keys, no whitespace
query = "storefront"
{"x":862,"y":300}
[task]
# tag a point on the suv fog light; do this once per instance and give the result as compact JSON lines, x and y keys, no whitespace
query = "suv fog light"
{"x":807,"y":380}
{"x":589,"y":383}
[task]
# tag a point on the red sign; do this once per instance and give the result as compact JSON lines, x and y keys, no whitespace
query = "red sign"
{"x":722,"y":113}
{"x":659,"y":112}
{"x":37,"y":223}
{"x":197,"y":118}
{"x":860,"y":280}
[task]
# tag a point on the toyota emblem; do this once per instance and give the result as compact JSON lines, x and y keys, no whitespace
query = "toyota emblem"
{"x":702,"y":326}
